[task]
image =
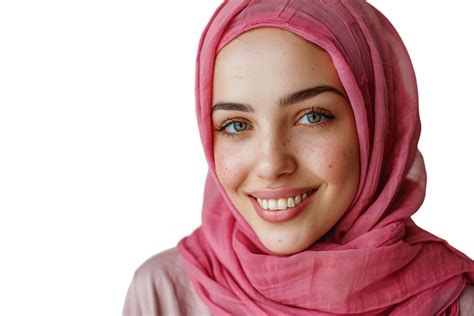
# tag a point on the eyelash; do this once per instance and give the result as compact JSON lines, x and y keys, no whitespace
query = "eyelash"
{"x":221,"y":128}
{"x":325,"y":114}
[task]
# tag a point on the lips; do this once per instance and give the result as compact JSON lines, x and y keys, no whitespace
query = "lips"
{"x":281,"y":215}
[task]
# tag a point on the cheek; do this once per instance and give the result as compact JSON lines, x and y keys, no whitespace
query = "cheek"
{"x":333,"y":159}
{"x":231,"y":167}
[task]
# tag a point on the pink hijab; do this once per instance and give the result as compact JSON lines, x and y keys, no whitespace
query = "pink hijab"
{"x":376,"y":260}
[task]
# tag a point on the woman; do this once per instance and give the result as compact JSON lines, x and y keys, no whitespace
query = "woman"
{"x":308,"y":113}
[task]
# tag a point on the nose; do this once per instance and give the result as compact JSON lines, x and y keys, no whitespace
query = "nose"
{"x":274,"y":158}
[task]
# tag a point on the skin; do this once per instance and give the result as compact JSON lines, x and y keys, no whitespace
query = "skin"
{"x":274,"y":146}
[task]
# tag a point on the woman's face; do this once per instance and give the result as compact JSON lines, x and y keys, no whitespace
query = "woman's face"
{"x":285,"y":139}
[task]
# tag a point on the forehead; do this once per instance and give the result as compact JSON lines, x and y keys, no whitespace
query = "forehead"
{"x":268,"y":63}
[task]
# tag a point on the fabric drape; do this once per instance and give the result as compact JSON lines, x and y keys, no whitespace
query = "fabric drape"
{"x":375,"y":260}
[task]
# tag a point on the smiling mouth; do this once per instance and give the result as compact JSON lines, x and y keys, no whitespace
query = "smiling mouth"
{"x":283,"y":203}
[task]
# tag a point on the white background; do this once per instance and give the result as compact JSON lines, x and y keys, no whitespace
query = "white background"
{"x":100,"y":161}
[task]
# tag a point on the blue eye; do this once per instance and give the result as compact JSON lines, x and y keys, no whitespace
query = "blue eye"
{"x":315,"y":117}
{"x":235,"y":127}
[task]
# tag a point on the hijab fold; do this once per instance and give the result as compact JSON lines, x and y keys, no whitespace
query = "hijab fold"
{"x":375,"y":260}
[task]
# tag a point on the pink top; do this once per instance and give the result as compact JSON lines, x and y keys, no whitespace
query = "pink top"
{"x":160,"y":286}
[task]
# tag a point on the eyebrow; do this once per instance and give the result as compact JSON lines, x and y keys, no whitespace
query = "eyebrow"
{"x":284,"y":101}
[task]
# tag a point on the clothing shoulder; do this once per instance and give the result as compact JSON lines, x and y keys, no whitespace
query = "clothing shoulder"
{"x":160,"y":286}
{"x":466,"y":301}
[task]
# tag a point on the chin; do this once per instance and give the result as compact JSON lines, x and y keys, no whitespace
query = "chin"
{"x":284,"y":250}
{"x":286,"y":245}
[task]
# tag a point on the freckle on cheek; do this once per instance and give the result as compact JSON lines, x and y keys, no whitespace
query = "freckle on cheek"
{"x":232,"y":174}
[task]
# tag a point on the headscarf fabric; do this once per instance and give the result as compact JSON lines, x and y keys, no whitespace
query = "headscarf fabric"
{"x":375,"y":260}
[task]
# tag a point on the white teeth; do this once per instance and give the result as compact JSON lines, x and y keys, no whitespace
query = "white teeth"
{"x":297,"y":199}
{"x":272,"y":204}
{"x":282,"y":203}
